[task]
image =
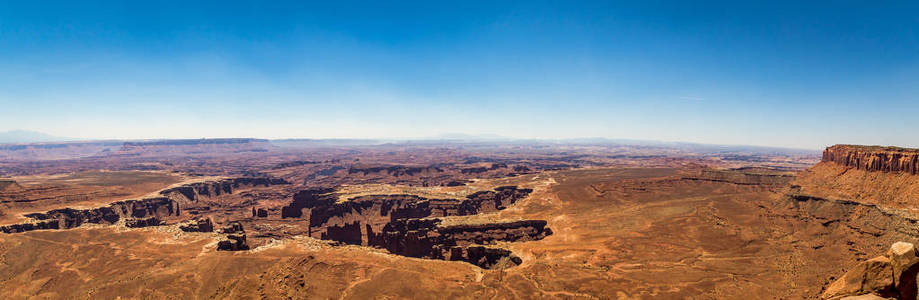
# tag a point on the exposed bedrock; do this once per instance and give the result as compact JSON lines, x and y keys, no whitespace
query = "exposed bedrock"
{"x":139,"y":213}
{"x":394,"y":170}
{"x":66,"y":218}
{"x":372,"y":212}
{"x":194,"y":191}
{"x":404,"y":224}
{"x":862,"y":218}
{"x":888,"y":276}
{"x":235,"y":239}
{"x":198,"y":225}
{"x":744,"y":176}
{"x":142,"y":222}
{"x":260,"y":212}
{"x":425,"y":238}
{"x":308,"y":199}
{"x":874,"y":158}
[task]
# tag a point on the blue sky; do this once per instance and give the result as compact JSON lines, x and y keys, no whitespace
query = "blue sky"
{"x":734,"y":72}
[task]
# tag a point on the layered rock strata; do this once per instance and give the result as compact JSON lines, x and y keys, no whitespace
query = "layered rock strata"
{"x":235,"y":239}
{"x":744,"y":176}
{"x":874,"y":158}
{"x":198,"y":225}
{"x":139,"y":213}
{"x":371,"y":213}
{"x":889,"y":276}
{"x":66,"y":218}
{"x":407,"y":224}
{"x":425,"y":238}
{"x":194,"y":191}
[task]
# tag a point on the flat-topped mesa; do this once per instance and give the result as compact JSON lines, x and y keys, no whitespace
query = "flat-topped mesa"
{"x":874,"y":158}
{"x":194,"y":142}
{"x":426,"y":238}
{"x":401,"y":224}
{"x":136,"y":213}
{"x":193,"y":191}
{"x":8,"y":184}
{"x":370,"y":213}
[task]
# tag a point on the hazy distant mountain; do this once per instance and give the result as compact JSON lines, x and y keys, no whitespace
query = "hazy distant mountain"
{"x":471,"y":137}
{"x":25,"y":136}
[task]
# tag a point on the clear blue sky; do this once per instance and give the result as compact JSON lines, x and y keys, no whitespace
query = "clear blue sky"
{"x":796,"y":73}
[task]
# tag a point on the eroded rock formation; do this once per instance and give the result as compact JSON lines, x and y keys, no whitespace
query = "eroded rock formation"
{"x":745,"y":176}
{"x":235,"y":238}
{"x":372,"y":212}
{"x":142,"y":222}
{"x":425,"y":238}
{"x":403,"y":224}
{"x":194,"y":191}
{"x":874,"y":158}
{"x":69,"y":218}
{"x":198,"y":225}
{"x":143,"y":212}
{"x":889,"y":276}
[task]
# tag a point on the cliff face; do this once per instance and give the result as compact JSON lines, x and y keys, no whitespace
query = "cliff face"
{"x":143,"y":212}
{"x":427,"y":239}
{"x":745,"y":176}
{"x":368,"y":214}
{"x":193,"y":191}
{"x":403,"y":224}
{"x":874,"y":158}
{"x":136,"y":213}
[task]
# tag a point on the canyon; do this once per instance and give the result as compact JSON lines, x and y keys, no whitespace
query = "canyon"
{"x":211,"y":219}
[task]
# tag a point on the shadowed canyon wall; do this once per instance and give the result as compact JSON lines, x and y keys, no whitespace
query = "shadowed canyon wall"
{"x":406,"y":224}
{"x":138,"y":213}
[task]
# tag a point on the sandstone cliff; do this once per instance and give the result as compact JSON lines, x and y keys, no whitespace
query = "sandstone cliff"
{"x":136,"y":213}
{"x":193,"y":191}
{"x":403,"y":224}
{"x":867,"y":174}
{"x":370,"y":213}
{"x":888,"y":276}
{"x":143,"y":212}
{"x":426,"y":238}
{"x":874,"y":158}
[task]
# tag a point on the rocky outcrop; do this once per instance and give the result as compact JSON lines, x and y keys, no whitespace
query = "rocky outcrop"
{"x":889,"y":276}
{"x":259,"y":212}
{"x":307,"y":199}
{"x":403,"y":224}
{"x":40,"y":225}
{"x":874,"y":158}
{"x":142,"y":222}
{"x":396,"y":171}
{"x":866,"y":218}
{"x":235,"y":239}
{"x":194,"y":191}
{"x":425,"y":238}
{"x":198,"y":225}
{"x":66,"y":218}
{"x":372,"y":212}
{"x":745,"y":176}
{"x":9,"y":185}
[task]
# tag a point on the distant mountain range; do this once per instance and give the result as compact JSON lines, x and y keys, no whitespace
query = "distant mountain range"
{"x":25,"y":136}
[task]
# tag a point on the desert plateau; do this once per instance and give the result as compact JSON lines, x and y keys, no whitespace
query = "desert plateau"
{"x":256,"y":219}
{"x":489,"y":150}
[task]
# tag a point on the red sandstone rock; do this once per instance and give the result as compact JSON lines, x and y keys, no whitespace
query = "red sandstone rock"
{"x":872,"y":276}
{"x":874,"y":158}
